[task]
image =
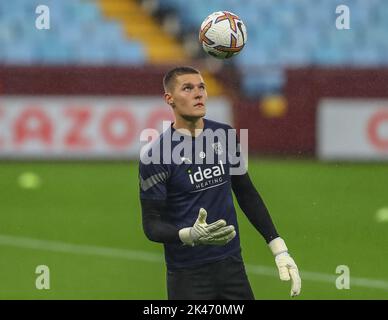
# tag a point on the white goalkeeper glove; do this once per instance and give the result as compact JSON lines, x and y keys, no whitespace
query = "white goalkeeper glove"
{"x":216,"y":233}
{"x":286,"y":265}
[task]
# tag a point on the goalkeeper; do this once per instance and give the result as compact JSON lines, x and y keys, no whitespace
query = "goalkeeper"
{"x":188,"y":205}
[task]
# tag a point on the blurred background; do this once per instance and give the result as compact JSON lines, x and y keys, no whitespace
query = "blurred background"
{"x":74,"y":99}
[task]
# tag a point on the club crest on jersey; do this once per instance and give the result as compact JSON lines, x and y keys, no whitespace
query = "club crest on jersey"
{"x":217,"y":148}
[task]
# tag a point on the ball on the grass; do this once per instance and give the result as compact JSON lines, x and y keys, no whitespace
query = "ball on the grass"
{"x":382,"y":215}
{"x":29,"y":180}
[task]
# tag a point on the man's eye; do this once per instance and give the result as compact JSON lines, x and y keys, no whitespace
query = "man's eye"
{"x":186,"y":88}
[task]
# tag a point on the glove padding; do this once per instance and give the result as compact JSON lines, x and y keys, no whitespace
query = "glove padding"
{"x":201,"y":233}
{"x":287,"y":267}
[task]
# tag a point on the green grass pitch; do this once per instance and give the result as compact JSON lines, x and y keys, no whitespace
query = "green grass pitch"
{"x":87,"y":219}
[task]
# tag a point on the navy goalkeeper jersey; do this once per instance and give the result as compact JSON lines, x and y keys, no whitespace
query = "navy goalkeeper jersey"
{"x":192,"y":173}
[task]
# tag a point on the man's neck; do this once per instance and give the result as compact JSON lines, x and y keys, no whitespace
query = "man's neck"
{"x":195,"y":126}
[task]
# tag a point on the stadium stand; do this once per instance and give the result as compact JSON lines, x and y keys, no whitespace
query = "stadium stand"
{"x":78,"y":34}
{"x":275,"y":29}
{"x":88,"y":32}
{"x":121,"y":32}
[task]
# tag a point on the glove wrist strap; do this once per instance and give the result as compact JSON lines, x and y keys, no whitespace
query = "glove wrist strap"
{"x":185,"y":236}
{"x":277,"y":246}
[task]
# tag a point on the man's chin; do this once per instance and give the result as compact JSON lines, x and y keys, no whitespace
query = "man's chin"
{"x":194,"y":116}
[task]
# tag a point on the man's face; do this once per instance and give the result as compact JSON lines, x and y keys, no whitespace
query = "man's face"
{"x":188,"y":96}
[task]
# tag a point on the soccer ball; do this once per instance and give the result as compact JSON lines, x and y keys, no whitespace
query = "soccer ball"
{"x":222,"y":34}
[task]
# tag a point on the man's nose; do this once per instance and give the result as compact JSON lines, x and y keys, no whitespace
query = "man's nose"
{"x":198,"y":93}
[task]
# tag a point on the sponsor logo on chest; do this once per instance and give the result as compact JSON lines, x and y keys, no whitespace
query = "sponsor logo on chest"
{"x":208,"y":173}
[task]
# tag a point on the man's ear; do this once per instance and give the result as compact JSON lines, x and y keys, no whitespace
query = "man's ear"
{"x":169,"y":99}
